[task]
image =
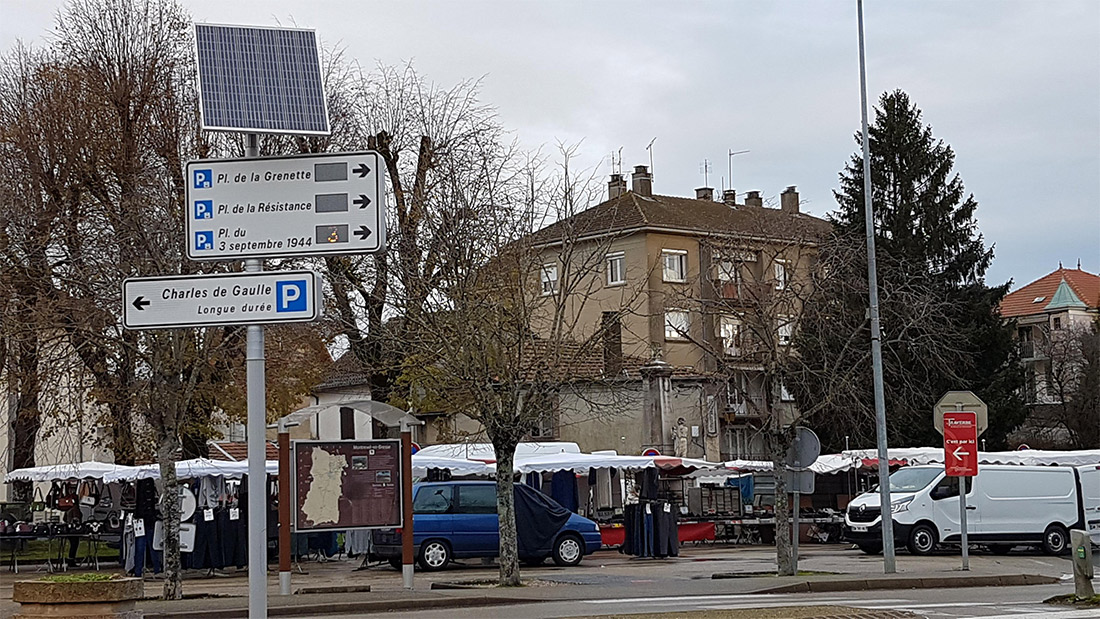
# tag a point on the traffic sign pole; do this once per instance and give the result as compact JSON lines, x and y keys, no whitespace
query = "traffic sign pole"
{"x":960,"y":458}
{"x":257,"y":451}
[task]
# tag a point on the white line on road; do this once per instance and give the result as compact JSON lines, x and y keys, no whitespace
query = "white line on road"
{"x":1085,"y":613}
{"x":699,"y":598}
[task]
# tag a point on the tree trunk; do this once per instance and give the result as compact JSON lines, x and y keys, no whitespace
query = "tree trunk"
{"x":506,"y":509}
{"x":783,"y":558}
{"x":28,"y":417}
{"x":170,"y":509}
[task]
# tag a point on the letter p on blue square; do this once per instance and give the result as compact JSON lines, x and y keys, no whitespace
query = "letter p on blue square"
{"x":204,"y":179}
{"x":290,"y":296}
{"x":204,"y":240}
{"x":204,"y":209}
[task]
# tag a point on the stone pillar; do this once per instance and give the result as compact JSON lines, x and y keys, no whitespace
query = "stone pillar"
{"x":656,"y":386}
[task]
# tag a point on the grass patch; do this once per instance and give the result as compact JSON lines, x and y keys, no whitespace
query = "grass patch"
{"x":90,"y":577}
{"x":41,"y":550}
{"x":1071,"y":600}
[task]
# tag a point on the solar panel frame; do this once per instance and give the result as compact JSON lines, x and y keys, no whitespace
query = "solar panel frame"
{"x":259,"y":79}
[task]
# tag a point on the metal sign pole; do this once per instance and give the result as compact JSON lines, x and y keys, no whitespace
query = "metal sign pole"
{"x":257,"y":456}
{"x":794,"y":540}
{"x":406,"y":506}
{"x":284,"y":508}
{"x":962,"y":515}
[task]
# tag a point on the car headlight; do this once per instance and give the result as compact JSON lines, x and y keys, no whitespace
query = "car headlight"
{"x":900,"y":506}
{"x":596,"y":527}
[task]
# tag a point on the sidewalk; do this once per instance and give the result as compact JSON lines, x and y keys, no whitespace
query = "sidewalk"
{"x":700,"y":570}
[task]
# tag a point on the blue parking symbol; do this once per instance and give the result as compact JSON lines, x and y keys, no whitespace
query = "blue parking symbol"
{"x":290,"y":296}
{"x":204,"y":209}
{"x":204,"y":179}
{"x":204,"y":240}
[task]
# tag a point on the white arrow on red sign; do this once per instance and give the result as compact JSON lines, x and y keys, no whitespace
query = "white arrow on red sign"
{"x":959,"y":454}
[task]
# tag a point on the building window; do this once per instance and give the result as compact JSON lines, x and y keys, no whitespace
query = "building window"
{"x":616,"y":269}
{"x":785,"y":394}
{"x":675,"y":265}
{"x":780,"y":274}
{"x":785,"y":331}
{"x":1057,"y":323}
{"x":549,"y":278}
{"x":676,"y":324}
{"x":545,"y":427}
{"x":730,"y":330}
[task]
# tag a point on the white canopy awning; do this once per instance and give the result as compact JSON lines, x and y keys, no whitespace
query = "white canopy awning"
{"x":580,"y":463}
{"x":60,"y":472}
{"x":191,"y":469}
{"x":825,"y":465}
{"x":457,"y":466}
{"x":485,"y":452}
{"x":1033,"y":457}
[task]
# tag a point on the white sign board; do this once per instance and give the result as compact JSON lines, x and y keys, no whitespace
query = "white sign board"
{"x":221,"y":299}
{"x":274,"y":207}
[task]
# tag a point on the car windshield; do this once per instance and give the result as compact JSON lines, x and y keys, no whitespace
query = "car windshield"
{"x":912,"y":480}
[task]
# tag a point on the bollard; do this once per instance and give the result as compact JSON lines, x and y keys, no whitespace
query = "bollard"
{"x":1082,"y":564}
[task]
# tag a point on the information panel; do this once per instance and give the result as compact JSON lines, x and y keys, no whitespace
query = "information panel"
{"x":346,"y":484}
{"x":272,"y":207}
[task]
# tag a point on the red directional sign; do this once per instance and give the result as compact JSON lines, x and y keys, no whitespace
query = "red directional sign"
{"x":960,"y":443}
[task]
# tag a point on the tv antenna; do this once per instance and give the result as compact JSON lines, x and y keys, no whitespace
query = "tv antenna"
{"x":617,"y":161}
{"x":650,"y":149}
{"x":732,"y":154}
{"x":704,"y":169}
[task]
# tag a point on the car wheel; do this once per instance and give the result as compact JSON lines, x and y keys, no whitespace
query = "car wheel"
{"x":568,"y":550}
{"x":922,"y":540}
{"x":1000,"y":549}
{"x":1055,"y":540}
{"x":435,"y":554}
{"x":871,"y":549}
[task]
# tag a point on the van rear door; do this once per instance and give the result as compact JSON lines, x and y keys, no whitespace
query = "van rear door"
{"x":1090,"y":499}
{"x":476,"y":525}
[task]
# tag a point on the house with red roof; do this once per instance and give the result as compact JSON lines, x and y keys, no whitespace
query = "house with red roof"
{"x":1052,"y":314}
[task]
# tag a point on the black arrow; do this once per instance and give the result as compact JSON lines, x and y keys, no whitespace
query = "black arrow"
{"x":363,"y":201}
{"x":140,"y":303}
{"x":362,"y":233}
{"x":362,"y":170}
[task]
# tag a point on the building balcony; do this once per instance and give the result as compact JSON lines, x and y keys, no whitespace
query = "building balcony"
{"x":746,"y":408}
{"x":743,"y":293}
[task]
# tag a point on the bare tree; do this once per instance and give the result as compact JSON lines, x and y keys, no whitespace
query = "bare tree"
{"x":1067,"y":390}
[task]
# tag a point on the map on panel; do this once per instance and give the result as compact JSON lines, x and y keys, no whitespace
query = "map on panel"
{"x":347,"y":484}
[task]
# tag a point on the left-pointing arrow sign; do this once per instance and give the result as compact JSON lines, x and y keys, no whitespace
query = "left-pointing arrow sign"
{"x":221,"y":299}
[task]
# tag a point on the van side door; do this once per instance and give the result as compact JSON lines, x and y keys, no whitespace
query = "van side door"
{"x":945,"y":509}
{"x":476,"y":526}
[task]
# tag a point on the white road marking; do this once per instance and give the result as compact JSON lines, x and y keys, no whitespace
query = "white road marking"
{"x":1085,"y":613}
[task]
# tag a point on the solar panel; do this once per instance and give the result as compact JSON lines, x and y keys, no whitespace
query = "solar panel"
{"x":260,"y":80}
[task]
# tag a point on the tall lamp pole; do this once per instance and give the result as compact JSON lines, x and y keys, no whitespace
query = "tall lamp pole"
{"x":888,"y":563}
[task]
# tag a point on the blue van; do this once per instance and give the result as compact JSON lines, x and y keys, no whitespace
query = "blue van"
{"x":458,"y":520}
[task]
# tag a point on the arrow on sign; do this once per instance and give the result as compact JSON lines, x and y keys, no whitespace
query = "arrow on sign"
{"x":362,"y":170}
{"x":140,"y":303}
{"x":363,"y":201}
{"x":363,"y":232}
{"x":959,"y":454}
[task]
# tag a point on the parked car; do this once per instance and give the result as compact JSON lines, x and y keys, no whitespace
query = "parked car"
{"x":1007,"y":506}
{"x":458,"y":520}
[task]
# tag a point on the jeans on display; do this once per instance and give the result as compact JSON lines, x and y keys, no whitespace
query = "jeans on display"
{"x":142,"y":545}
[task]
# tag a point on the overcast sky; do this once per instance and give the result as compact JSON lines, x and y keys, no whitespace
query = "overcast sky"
{"x":1013,"y":87}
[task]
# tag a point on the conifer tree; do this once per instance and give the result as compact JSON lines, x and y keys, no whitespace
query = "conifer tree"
{"x":928,"y":247}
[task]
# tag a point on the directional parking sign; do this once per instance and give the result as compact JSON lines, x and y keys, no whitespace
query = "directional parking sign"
{"x":221,"y":299}
{"x":271,"y":207}
{"x":960,"y":443}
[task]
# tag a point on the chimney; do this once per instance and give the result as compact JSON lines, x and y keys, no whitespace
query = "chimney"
{"x":612,"y":344}
{"x":788,"y":200}
{"x":753,"y":198}
{"x":616,"y":186}
{"x":729,"y":196}
{"x":642,"y":181}
{"x":705,"y":193}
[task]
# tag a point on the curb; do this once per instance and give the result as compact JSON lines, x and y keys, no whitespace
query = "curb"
{"x":938,"y":582}
{"x":338,"y":608}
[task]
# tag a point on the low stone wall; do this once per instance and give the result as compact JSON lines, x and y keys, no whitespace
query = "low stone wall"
{"x":109,"y":599}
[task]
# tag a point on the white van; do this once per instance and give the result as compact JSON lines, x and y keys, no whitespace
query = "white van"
{"x":1006,"y":506}
{"x":1090,"y":499}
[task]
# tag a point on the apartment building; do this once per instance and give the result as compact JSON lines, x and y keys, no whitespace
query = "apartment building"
{"x":1052,"y":314}
{"x":708,"y":290}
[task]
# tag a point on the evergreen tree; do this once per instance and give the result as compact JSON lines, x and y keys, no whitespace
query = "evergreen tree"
{"x":941,"y":330}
